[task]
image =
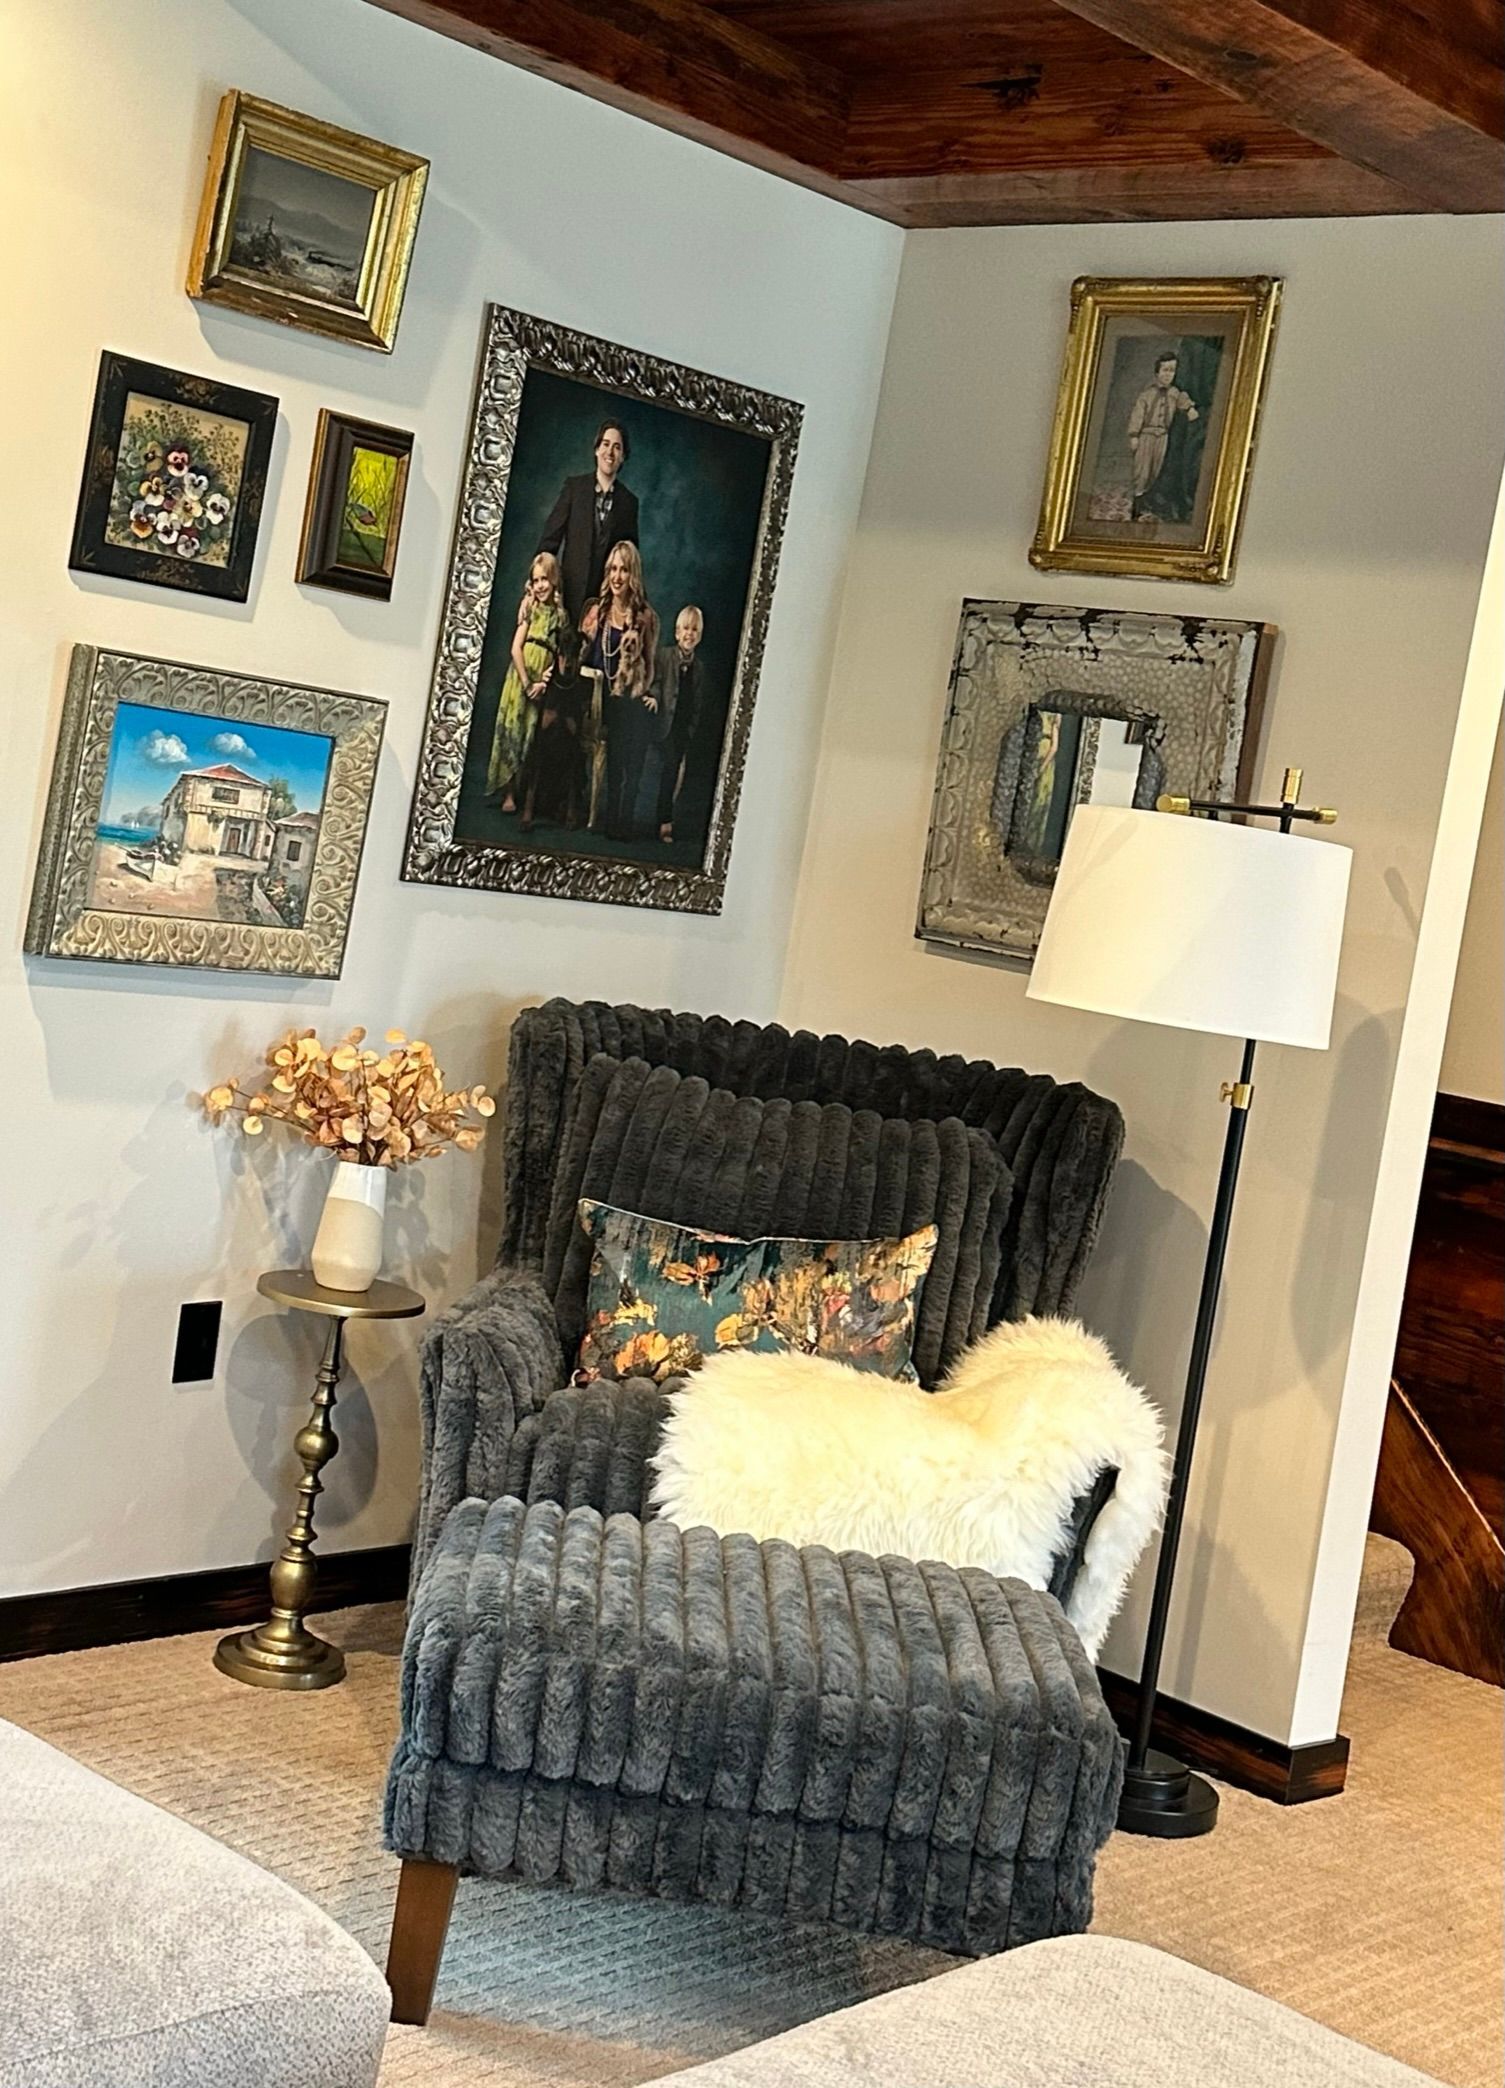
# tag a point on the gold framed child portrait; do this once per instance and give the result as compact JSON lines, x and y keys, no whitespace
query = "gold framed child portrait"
{"x":1155,"y":426}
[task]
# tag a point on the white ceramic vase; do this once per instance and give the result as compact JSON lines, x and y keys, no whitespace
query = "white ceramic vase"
{"x":348,"y":1245}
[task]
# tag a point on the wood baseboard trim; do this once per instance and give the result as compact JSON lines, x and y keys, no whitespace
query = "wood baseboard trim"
{"x":69,"y":1619}
{"x":1232,"y":1753}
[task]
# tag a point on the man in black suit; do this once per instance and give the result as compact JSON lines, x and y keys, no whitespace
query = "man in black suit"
{"x":594,"y":511}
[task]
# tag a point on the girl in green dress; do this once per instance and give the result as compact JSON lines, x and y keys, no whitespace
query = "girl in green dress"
{"x":535,"y":645}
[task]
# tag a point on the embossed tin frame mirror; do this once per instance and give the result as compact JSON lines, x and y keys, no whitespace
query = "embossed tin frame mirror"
{"x":712,"y":463}
{"x":1034,"y":689}
{"x":203,"y":819}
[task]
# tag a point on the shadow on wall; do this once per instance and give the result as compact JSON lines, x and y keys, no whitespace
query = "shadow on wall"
{"x":187,"y":1210}
{"x":1141,"y":1291}
{"x":1342,"y":1175}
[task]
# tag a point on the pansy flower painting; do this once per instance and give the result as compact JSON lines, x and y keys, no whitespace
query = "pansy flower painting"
{"x":173,"y":480}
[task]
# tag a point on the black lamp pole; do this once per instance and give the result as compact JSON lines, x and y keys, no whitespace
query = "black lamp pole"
{"x":1161,"y":1796}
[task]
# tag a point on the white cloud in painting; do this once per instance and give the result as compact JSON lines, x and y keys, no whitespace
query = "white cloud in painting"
{"x":164,"y":748}
{"x":232,"y":743}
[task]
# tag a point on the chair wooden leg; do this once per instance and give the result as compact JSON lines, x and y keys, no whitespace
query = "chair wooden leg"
{"x":425,"y":1894}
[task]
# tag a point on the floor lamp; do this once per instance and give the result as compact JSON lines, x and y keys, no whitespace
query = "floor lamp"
{"x":1201,"y":924}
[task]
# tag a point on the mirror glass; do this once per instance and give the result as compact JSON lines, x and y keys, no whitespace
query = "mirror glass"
{"x":1070,"y":759}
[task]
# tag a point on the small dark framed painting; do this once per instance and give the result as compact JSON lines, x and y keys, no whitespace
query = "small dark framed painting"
{"x":174,"y":479}
{"x":356,"y":489}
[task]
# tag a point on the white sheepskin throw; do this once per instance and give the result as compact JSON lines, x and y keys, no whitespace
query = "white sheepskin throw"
{"x":982,"y":1472}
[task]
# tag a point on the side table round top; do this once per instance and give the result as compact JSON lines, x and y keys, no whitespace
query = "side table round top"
{"x":296,"y":1287}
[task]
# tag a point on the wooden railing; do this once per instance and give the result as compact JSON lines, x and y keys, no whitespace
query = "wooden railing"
{"x":1441,"y":1485}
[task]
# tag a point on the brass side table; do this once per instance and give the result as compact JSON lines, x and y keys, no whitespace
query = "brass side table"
{"x":283,"y":1653}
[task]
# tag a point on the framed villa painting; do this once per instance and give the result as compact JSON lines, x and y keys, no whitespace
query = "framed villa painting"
{"x":203,"y":819}
{"x":603,"y":626}
{"x":1155,"y":426}
{"x":174,"y":478}
{"x":1053,"y":707}
{"x":353,"y":519}
{"x":305,"y":223}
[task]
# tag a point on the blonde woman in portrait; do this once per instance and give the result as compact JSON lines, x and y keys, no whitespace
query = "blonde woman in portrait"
{"x":541,"y":626}
{"x":624,"y":649}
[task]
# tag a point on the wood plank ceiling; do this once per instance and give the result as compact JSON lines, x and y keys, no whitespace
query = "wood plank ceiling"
{"x":970,"y":112}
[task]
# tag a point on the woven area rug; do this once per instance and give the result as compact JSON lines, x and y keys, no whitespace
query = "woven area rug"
{"x":1377,"y":1912}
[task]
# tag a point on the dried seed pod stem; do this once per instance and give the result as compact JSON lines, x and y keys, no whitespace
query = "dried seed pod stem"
{"x":374,"y":1109}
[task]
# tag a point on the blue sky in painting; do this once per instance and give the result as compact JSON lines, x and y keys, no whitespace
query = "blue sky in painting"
{"x":150,"y":749}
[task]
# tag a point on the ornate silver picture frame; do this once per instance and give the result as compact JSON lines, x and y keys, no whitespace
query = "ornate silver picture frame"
{"x":1052,"y":707}
{"x":603,"y":625}
{"x":203,"y":819}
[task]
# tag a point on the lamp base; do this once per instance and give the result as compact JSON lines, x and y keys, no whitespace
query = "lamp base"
{"x":1163,"y":1798}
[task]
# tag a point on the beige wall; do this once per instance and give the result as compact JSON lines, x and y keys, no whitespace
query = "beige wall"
{"x":1474,"y":1062}
{"x":1365,"y":537}
{"x":119,"y":1203}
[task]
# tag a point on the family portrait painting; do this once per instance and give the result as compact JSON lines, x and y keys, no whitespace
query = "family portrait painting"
{"x":610,"y":588}
{"x":612,"y":639}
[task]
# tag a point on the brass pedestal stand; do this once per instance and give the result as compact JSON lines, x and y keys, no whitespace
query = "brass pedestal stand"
{"x":283,"y":1653}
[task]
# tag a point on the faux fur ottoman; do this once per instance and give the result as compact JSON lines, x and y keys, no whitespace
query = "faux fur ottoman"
{"x":874,"y":1743}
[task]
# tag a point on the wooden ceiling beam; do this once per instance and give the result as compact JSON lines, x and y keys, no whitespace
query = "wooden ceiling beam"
{"x":1126,"y":110}
{"x":1322,"y":186}
{"x":1411,"y":90}
{"x":677,"y":62}
{"x":962,"y":112}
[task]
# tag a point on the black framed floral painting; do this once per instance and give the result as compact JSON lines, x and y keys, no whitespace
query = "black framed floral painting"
{"x":174,"y":479}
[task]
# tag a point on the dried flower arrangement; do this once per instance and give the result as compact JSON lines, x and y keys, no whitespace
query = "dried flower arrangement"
{"x":373,"y":1108}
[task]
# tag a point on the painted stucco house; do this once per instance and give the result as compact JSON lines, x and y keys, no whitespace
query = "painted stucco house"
{"x":294,"y":841}
{"x":218,"y":811}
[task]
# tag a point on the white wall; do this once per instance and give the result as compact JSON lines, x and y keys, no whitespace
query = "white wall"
{"x":1474,"y":1062}
{"x":1366,"y":531}
{"x":118,"y":1202}
{"x":1403,"y":1152}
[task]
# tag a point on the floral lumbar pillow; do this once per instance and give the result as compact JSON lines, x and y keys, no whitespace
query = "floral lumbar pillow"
{"x":663,"y":1297}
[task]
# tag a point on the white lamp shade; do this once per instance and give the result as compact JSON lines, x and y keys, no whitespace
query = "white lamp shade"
{"x":1159,"y":917}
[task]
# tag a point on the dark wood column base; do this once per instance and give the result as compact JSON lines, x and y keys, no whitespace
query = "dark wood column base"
{"x":1232,"y":1753}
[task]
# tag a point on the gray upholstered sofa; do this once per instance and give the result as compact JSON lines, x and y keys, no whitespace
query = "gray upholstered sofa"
{"x":1075,"y":2010}
{"x":136,"y":1952}
{"x":592,"y":1694}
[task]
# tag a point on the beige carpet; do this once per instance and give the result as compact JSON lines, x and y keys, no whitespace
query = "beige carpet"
{"x":1378,"y":1911}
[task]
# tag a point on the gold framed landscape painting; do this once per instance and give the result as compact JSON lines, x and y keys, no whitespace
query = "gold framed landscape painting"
{"x":1155,"y":426}
{"x":305,"y":223}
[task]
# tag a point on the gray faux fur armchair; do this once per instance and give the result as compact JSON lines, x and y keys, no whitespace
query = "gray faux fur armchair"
{"x":593,"y":1695}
